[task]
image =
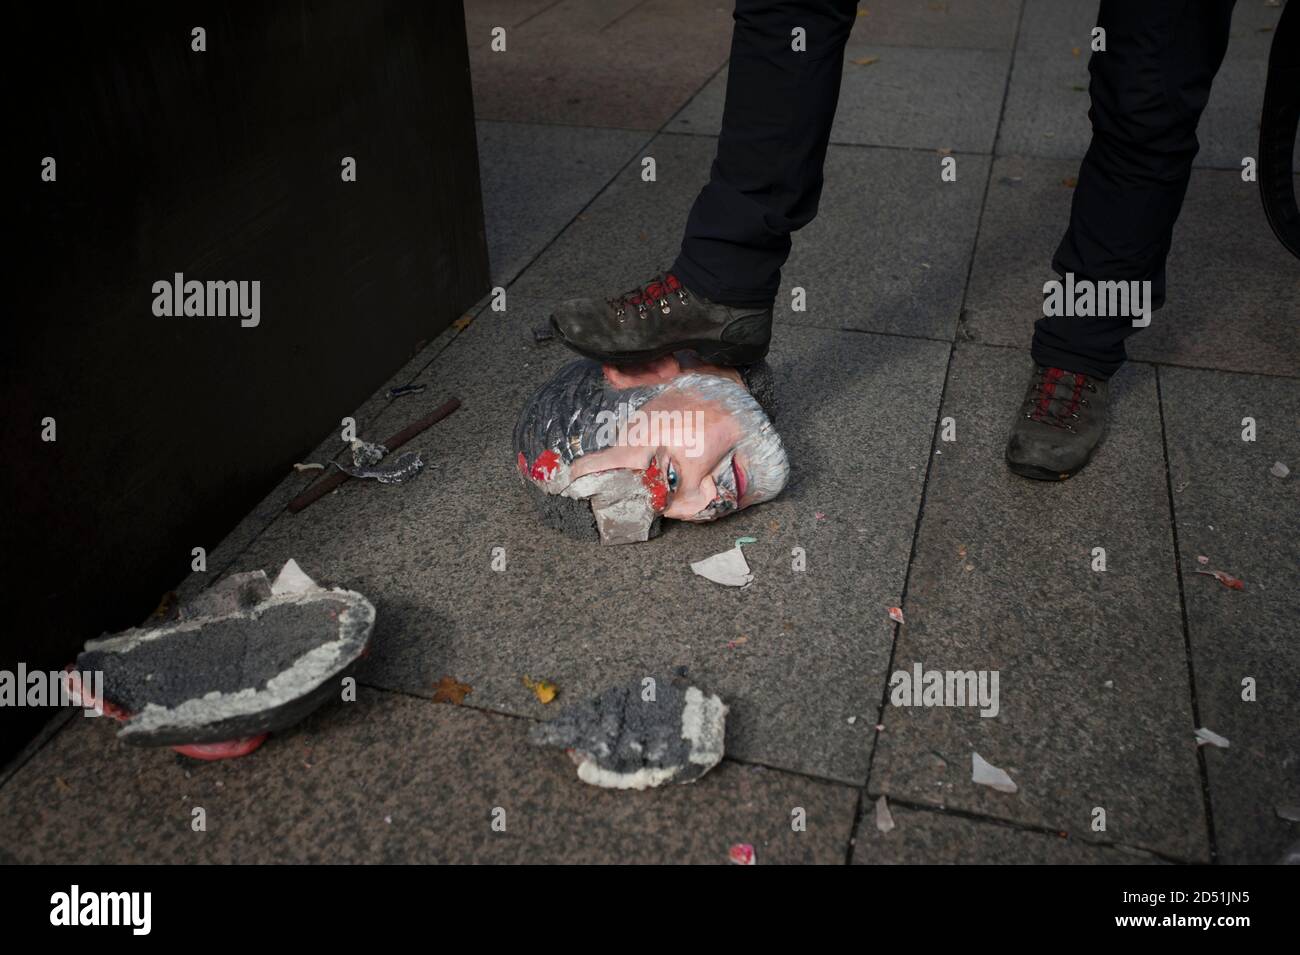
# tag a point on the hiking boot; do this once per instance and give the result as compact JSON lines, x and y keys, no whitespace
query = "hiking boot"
{"x":1059,"y":425}
{"x":662,"y":317}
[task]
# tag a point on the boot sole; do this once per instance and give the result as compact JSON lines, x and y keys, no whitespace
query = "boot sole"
{"x":713,"y":352}
{"x":1036,"y":473}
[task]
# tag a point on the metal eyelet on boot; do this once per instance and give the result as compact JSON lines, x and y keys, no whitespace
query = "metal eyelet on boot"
{"x":663,"y":306}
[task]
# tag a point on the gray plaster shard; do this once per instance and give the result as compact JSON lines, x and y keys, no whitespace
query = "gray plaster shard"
{"x":728,"y":568}
{"x":1279,"y":469}
{"x":985,"y":773}
{"x":1289,"y":813}
{"x":621,"y":740}
{"x":1209,"y":737}
{"x":406,"y":466}
{"x":245,"y":658}
{"x":365,"y":454}
{"x":884,"y":818}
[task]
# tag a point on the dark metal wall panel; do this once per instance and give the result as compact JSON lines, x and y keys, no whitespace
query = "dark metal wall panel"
{"x":221,"y":165}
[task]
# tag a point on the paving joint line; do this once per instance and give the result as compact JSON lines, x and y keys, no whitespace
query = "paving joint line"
{"x":1207,"y":802}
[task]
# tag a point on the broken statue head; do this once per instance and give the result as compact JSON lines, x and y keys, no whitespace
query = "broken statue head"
{"x":607,"y":452}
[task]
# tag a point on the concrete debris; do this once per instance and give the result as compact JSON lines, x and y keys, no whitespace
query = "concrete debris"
{"x":1279,"y":469}
{"x":640,"y":735}
{"x":245,"y":658}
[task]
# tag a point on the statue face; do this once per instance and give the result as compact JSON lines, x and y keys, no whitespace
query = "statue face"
{"x":672,"y":439}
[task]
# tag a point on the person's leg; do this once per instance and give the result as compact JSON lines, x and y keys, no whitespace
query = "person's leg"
{"x":765,"y":183}
{"x":1148,"y":90}
{"x":766,"y":179}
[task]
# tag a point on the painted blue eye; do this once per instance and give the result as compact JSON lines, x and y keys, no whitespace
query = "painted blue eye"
{"x":673,"y":479}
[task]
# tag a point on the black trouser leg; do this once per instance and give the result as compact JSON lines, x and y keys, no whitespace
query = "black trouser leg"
{"x":767,"y":176}
{"x":1148,"y":91}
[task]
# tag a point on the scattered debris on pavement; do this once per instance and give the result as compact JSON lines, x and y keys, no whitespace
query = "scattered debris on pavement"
{"x":641,"y":734}
{"x":326,"y":484}
{"x":1279,"y":470}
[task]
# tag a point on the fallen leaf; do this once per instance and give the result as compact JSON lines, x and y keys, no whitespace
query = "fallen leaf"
{"x":462,"y":323}
{"x":544,"y":691}
{"x":742,"y":853}
{"x":944,"y":151}
{"x":865,"y":60}
{"x":450,"y":691}
{"x":1070,"y":181}
{"x":896,"y":614}
{"x":738,"y":642}
{"x":1226,"y":579}
{"x":1074,"y":51}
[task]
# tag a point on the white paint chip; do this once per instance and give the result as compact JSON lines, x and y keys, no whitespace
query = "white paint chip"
{"x":728,"y":568}
{"x":985,"y":773}
{"x":884,"y":818}
{"x":1204,"y":737}
{"x":292,"y":580}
